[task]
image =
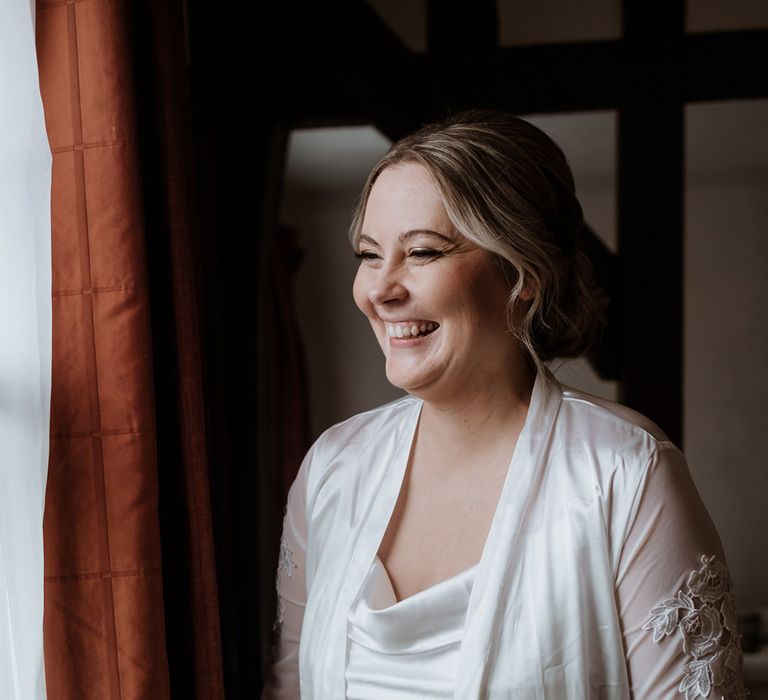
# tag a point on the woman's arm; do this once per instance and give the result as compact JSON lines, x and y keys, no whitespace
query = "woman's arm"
{"x":674,"y":592}
{"x":282,"y":674}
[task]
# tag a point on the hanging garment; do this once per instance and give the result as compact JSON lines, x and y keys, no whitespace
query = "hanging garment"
{"x":602,"y":575}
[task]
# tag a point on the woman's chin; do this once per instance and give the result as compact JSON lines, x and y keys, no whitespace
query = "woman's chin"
{"x":412,"y":382}
{"x":398,"y":382}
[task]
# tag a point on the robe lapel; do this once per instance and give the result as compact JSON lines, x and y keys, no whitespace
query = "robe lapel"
{"x":497,"y":577}
{"x":389,"y":455}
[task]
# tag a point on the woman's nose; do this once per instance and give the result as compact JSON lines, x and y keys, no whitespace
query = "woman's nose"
{"x":387,"y":287}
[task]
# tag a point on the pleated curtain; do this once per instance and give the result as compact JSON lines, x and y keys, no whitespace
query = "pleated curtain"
{"x":104,"y":622}
{"x":108,"y":539}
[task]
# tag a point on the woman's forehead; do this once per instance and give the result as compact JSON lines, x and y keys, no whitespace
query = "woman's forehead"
{"x":405,"y":177}
{"x":405,"y":200}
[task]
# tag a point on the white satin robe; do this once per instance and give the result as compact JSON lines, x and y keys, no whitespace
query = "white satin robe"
{"x":591,"y":583}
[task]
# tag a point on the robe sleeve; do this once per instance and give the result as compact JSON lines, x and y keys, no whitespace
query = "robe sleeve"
{"x":282,"y":673}
{"x":674,"y":593}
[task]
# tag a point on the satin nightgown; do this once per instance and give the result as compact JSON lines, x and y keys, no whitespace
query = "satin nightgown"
{"x":426,"y":627}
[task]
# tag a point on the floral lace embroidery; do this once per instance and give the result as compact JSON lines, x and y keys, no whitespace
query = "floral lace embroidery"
{"x":286,"y":563}
{"x":705,"y":614}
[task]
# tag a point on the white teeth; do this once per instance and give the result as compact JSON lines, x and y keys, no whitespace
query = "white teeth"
{"x":406,"y":331}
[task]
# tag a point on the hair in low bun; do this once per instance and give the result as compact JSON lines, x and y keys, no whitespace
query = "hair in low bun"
{"x":507,"y":187}
{"x":572,"y":323}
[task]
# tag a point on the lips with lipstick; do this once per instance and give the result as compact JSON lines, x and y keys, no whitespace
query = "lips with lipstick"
{"x":410,"y":329}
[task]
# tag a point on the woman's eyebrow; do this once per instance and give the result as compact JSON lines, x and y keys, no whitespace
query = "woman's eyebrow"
{"x":410,"y":234}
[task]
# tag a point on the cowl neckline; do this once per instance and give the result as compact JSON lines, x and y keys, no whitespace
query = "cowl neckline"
{"x":424,"y":621}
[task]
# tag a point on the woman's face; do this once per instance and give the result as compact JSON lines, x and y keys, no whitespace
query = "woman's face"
{"x":417,"y":273}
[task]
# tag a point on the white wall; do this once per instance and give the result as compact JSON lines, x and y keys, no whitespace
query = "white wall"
{"x":726,"y":367}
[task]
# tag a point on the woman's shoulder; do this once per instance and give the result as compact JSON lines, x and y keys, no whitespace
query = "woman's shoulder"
{"x":360,"y":428}
{"x":346,"y":451}
{"x":607,"y":417}
{"x":612,"y":437}
{"x":619,"y":449}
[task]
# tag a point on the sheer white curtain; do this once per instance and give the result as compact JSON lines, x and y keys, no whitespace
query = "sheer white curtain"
{"x":25,"y":353}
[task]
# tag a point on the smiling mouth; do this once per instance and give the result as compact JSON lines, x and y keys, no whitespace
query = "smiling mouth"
{"x":409,"y":331}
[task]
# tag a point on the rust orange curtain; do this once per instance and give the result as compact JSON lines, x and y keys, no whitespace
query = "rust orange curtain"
{"x":178,"y":411}
{"x":104,"y":627}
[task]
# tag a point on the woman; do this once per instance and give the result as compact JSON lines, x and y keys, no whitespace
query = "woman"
{"x":493,"y":533}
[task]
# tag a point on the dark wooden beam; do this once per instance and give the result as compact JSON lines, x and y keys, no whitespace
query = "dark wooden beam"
{"x":581,"y":76}
{"x":462,"y":28}
{"x":607,"y":356}
{"x":725,"y":66}
{"x":655,"y":21}
{"x":650,"y":212}
{"x":575,"y":77}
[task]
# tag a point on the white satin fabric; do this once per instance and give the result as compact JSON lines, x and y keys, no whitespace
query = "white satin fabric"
{"x":598,"y":522}
{"x":25,"y":352}
{"x":408,"y":648}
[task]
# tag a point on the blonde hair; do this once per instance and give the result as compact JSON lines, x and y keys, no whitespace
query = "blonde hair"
{"x":507,"y":187}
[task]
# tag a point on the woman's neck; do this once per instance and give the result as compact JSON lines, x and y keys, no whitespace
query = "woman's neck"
{"x":478,"y":422}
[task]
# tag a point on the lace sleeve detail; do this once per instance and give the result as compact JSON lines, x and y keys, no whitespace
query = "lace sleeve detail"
{"x":661,"y":569}
{"x":282,"y":672}
{"x":286,"y":564}
{"x":705,"y":615}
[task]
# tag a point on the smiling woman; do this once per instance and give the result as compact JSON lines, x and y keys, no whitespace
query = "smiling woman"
{"x":504,"y":185}
{"x":494,"y":533}
{"x":417,"y":270}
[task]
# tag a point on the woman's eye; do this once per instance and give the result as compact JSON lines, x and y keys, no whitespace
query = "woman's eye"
{"x":425,"y":253}
{"x":415,"y":253}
